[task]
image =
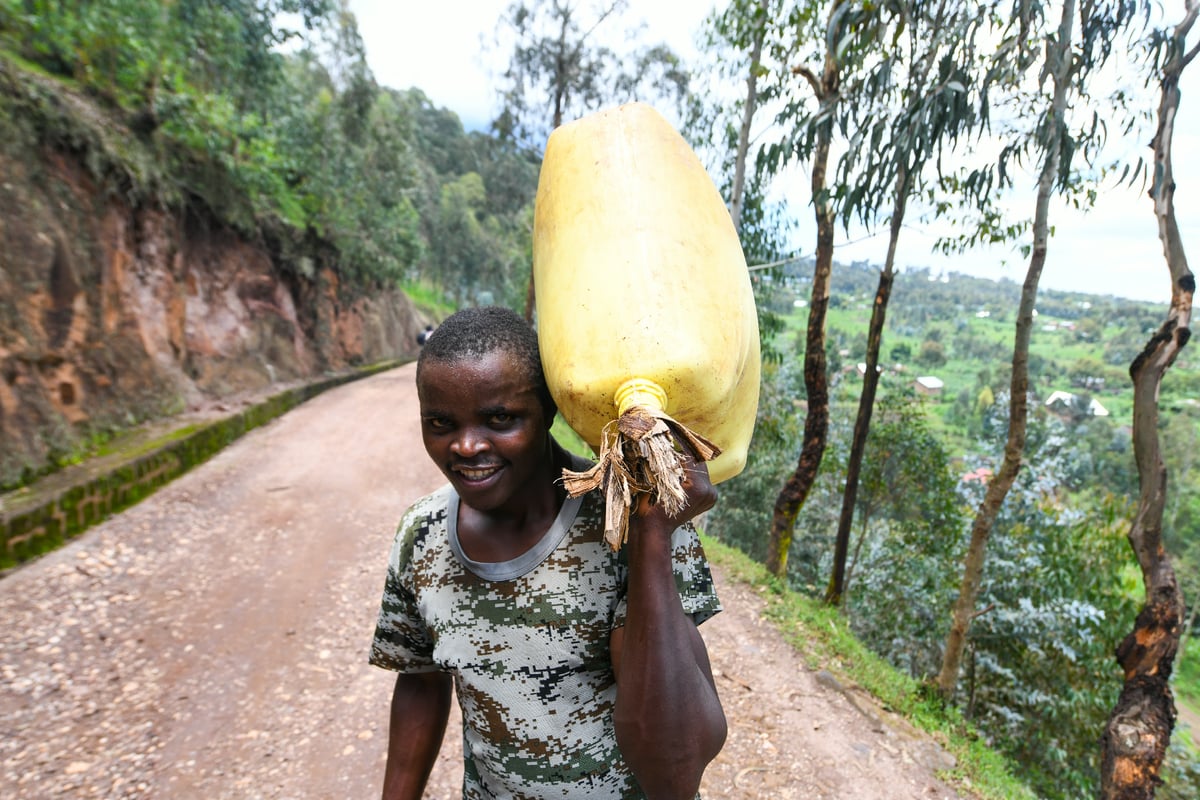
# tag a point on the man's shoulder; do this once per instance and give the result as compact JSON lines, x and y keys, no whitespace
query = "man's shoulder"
{"x":424,"y":518}
{"x":434,"y":504}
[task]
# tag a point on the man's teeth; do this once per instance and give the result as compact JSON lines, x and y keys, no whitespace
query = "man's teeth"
{"x":477,"y":474}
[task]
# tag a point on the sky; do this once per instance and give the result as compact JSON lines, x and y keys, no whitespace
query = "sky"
{"x":444,"y":49}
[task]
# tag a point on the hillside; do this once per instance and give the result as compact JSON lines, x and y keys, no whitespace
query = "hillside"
{"x":115,"y":311}
{"x":1060,"y":585}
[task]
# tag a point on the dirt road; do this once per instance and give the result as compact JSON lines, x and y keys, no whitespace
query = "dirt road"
{"x":210,"y":643}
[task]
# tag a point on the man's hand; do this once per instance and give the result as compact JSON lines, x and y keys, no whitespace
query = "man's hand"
{"x":701,"y":494}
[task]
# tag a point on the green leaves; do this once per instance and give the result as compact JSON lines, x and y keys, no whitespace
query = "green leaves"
{"x":303,"y":150}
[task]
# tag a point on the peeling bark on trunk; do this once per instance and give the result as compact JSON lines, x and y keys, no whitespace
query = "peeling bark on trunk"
{"x":1139,"y":728}
{"x":997,"y":490}
{"x":816,"y":423}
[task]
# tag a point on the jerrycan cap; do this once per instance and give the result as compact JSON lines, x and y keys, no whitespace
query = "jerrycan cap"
{"x":640,"y":392}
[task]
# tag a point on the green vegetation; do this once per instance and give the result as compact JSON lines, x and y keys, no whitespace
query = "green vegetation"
{"x":569,"y":439}
{"x":1062,"y":586}
{"x":428,"y":298}
{"x":1187,"y":690}
{"x":1187,"y":676}
{"x":819,"y":633}
{"x":264,"y":115}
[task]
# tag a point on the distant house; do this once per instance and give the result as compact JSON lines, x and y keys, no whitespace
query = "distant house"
{"x":929,"y":385}
{"x":981,"y":475}
{"x":862,"y":368}
{"x":1064,"y":402}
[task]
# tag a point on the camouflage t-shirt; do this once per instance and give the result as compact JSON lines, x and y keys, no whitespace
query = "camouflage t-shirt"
{"x":527,"y":642}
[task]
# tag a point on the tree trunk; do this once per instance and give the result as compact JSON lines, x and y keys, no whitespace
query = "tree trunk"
{"x":1138,"y":730}
{"x":866,"y":401}
{"x":816,"y":424}
{"x":1058,"y":54}
{"x":864,"y":526}
{"x":529,"y":294}
{"x":561,"y":90}
{"x":743,"y":147}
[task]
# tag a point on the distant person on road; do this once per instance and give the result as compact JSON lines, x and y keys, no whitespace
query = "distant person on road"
{"x":580,"y":672}
{"x":423,"y":336}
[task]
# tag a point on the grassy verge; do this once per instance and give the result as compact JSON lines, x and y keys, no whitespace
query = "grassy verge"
{"x":1187,"y":690}
{"x":1187,"y":672}
{"x":823,"y":639}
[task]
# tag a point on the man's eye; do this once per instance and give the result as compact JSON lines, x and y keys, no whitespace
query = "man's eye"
{"x":502,"y":420}
{"x":438,"y":423}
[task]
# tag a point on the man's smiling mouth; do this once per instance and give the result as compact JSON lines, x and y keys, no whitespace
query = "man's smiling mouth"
{"x":477,"y":473}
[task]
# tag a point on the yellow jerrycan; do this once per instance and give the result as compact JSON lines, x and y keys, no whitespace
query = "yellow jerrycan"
{"x":646,"y":316}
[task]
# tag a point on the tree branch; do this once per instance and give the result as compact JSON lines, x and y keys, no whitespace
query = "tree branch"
{"x":812,"y":79}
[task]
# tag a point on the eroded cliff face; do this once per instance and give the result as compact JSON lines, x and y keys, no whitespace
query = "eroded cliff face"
{"x":111,"y":315}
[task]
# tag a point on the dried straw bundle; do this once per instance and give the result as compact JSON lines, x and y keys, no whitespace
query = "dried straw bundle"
{"x":638,"y":457}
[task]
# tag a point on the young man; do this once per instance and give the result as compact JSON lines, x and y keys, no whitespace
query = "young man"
{"x":579,"y":671}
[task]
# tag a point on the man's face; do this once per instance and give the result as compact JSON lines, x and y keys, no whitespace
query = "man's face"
{"x":484,"y":427}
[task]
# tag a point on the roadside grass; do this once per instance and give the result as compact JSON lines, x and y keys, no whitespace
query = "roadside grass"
{"x":1187,"y":689}
{"x":823,"y":639}
{"x":1187,"y":675}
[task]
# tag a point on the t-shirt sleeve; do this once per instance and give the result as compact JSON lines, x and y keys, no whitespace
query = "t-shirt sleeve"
{"x":402,"y":643}
{"x":693,"y":578}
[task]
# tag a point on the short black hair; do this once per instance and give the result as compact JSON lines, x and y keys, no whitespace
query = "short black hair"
{"x":479,"y":330}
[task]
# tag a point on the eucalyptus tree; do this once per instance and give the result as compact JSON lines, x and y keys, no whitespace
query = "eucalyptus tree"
{"x":1071,"y":52}
{"x":935,"y":47}
{"x":563,"y":65}
{"x":1139,"y":728}
{"x":719,"y":127}
{"x":740,"y":27}
{"x":844,"y":37}
{"x":720,"y":124}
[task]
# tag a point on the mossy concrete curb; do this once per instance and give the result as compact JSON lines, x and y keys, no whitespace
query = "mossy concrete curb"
{"x":50,"y":512}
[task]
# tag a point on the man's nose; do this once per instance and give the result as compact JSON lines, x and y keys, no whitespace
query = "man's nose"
{"x":470,"y":442}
